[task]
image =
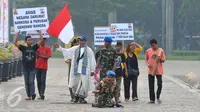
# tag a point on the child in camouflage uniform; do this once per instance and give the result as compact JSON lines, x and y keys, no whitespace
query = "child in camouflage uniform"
{"x":106,"y":89}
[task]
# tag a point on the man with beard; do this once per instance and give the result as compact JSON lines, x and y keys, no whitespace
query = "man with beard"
{"x":75,"y":42}
{"x":82,"y":68}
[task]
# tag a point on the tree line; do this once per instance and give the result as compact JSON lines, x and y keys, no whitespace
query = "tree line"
{"x":145,"y":14}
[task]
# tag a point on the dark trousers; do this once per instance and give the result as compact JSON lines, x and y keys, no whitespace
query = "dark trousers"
{"x":29,"y":78}
{"x":41,"y":80}
{"x":127,"y":83}
{"x":151,"y":86}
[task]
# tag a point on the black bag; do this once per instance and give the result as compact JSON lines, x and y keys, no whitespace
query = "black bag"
{"x":131,"y":71}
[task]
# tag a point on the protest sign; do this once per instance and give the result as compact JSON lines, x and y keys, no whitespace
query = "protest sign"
{"x":100,"y":33}
{"x":30,"y":19}
{"x":35,"y":34}
{"x":124,"y":31}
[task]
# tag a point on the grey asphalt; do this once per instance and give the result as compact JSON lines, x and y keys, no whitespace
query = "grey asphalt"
{"x":175,"y":98}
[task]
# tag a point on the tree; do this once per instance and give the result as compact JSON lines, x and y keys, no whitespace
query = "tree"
{"x":186,"y":21}
{"x":143,"y":13}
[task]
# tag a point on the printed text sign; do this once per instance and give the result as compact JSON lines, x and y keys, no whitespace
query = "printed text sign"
{"x":29,"y":19}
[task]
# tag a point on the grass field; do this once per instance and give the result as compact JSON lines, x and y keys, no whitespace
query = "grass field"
{"x":141,"y":57}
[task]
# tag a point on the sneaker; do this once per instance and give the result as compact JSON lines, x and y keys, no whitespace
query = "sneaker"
{"x":33,"y":96}
{"x":28,"y":98}
{"x":119,"y":106}
{"x":135,"y":99}
{"x":76,"y":99}
{"x":41,"y":97}
{"x":82,"y":101}
{"x":152,"y":102}
{"x":126,"y":99}
{"x":159,"y":101}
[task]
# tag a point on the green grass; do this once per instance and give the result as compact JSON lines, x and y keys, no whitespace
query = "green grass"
{"x":57,"y":55}
{"x":142,"y":57}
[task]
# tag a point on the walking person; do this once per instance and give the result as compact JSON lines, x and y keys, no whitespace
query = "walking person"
{"x":82,"y":68}
{"x":107,"y":57}
{"x":120,"y":66}
{"x":43,"y":54}
{"x":75,"y":42}
{"x":29,"y":60}
{"x":155,"y":56}
{"x":132,"y":71}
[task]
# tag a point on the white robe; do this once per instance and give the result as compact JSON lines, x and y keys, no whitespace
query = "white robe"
{"x":86,"y":79}
{"x":66,"y":57}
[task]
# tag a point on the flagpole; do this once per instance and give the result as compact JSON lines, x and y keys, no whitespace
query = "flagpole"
{"x":71,"y":20}
{"x":72,"y":25}
{"x":3,"y":21}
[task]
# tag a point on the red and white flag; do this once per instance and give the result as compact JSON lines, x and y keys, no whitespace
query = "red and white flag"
{"x":61,"y":27}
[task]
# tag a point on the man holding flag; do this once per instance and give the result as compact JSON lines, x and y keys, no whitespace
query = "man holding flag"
{"x":82,"y":57}
{"x":75,"y":42}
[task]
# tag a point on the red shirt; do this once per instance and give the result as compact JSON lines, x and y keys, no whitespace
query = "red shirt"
{"x":151,"y":61}
{"x":43,"y":52}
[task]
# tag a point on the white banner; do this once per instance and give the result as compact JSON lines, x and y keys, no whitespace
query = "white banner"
{"x":6,"y":22}
{"x":124,"y":31}
{"x":30,"y":19}
{"x":100,"y":33}
{"x":35,"y":34}
{"x":1,"y":21}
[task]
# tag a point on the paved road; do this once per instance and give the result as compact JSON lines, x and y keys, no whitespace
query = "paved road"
{"x":174,"y":97}
{"x":179,"y":69}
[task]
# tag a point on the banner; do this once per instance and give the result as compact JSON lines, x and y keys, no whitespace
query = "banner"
{"x":1,"y":21}
{"x":30,"y":19}
{"x":6,"y":22}
{"x":124,"y":31}
{"x":100,"y":33}
{"x":35,"y":34}
{"x":61,"y":27}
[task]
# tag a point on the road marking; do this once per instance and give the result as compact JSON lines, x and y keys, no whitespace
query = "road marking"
{"x":182,"y":84}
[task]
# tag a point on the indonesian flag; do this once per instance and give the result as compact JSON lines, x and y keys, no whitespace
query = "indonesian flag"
{"x":62,"y":27}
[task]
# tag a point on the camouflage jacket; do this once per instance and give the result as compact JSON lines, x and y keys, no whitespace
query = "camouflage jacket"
{"x":107,"y":58}
{"x":107,"y":86}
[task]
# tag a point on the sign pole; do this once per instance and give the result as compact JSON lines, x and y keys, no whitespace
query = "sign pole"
{"x":73,"y":28}
{"x":3,"y":20}
{"x":123,"y":45}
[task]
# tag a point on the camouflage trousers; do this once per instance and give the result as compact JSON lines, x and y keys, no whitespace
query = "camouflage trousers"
{"x":119,"y":80}
{"x":103,"y":100}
